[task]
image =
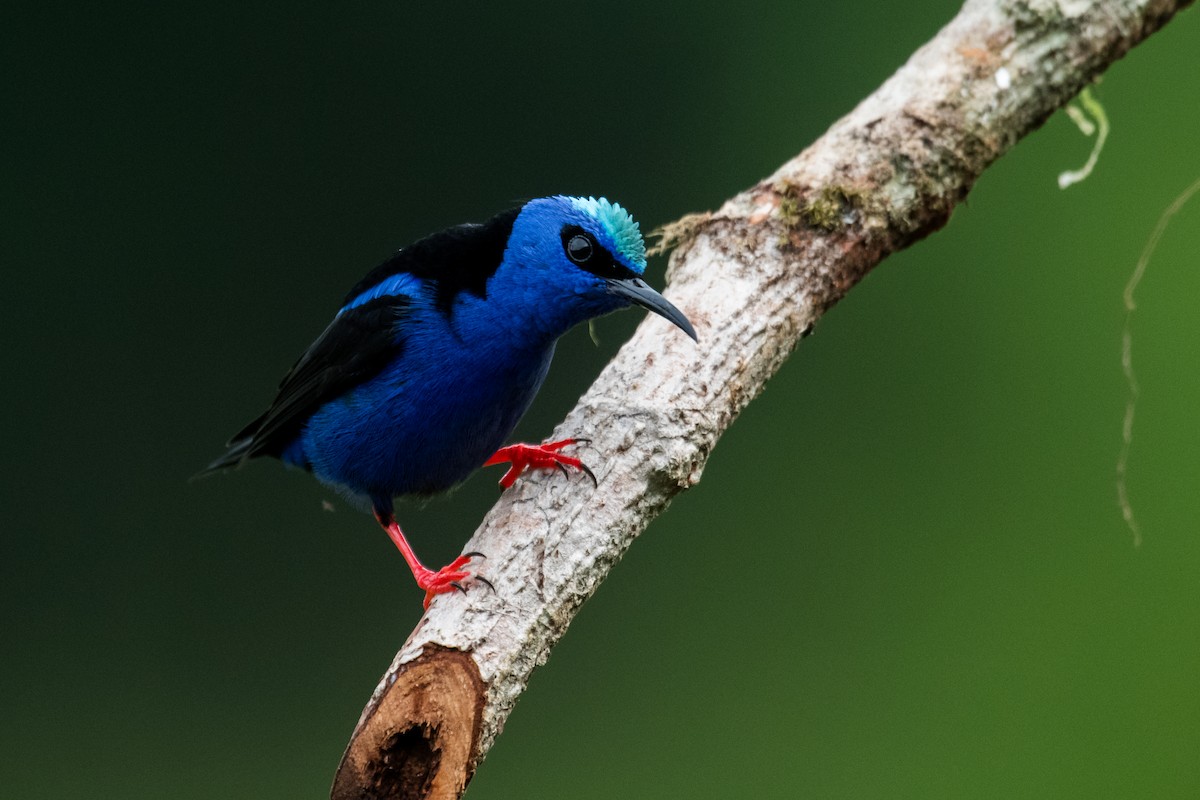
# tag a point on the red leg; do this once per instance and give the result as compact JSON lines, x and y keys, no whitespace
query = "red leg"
{"x":446,"y":579}
{"x":536,"y":456}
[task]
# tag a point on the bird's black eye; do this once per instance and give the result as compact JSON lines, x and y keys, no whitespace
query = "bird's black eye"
{"x":591,"y":256}
{"x":579,"y":248}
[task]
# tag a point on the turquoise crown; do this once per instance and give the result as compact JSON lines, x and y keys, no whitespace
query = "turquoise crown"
{"x":620,"y":225}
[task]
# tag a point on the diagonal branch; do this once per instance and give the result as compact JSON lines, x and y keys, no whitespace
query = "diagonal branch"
{"x":754,"y":277}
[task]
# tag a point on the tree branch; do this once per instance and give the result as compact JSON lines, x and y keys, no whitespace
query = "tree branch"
{"x":754,"y":278}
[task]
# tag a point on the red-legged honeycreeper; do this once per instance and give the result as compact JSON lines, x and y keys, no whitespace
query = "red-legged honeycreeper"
{"x":436,"y":354}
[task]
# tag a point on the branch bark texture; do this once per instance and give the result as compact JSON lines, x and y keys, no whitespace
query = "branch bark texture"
{"x":754,"y":277}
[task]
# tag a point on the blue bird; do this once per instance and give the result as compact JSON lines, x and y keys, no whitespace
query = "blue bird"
{"x":437,"y":353}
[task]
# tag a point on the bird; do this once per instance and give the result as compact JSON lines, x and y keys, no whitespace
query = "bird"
{"x":435,"y":355}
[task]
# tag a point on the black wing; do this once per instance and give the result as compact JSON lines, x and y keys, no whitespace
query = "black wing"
{"x":353,"y":349}
{"x":363,"y":339}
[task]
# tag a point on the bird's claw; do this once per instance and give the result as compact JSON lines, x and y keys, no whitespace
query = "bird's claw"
{"x":538,"y":456}
{"x":452,"y":577}
{"x":590,"y":474}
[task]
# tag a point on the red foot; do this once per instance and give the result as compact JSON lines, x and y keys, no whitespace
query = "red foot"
{"x":448,"y":578}
{"x":434,"y":582}
{"x":536,"y":456}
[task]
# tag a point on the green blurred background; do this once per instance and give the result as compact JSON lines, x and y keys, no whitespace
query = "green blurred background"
{"x":904,"y":574}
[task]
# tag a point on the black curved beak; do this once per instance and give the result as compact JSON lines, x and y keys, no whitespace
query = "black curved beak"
{"x":638,"y":291}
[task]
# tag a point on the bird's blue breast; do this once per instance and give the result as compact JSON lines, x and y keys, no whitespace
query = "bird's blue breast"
{"x":450,"y":397}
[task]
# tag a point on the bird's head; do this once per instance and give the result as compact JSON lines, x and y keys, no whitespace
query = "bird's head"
{"x":581,"y":257}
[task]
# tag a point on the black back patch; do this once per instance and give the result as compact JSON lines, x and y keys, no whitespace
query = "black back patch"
{"x":458,"y":259}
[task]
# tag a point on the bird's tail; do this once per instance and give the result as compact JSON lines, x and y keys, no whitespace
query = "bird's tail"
{"x":238,"y":452}
{"x":233,"y":457}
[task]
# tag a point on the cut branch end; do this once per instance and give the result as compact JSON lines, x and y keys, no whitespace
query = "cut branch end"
{"x":418,"y":739}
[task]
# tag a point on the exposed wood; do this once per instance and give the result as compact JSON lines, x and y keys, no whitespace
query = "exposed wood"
{"x":420,"y":741}
{"x":754,"y":277}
